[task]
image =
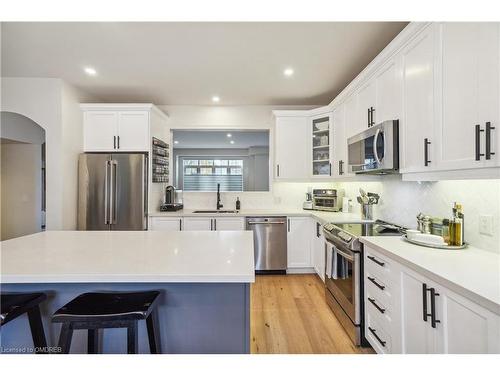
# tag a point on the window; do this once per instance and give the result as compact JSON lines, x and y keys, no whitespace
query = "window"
{"x":203,"y":174}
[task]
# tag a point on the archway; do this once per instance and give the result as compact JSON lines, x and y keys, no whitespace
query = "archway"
{"x":22,"y":175}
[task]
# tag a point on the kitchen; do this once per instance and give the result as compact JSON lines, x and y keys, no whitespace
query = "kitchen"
{"x":366,"y":224}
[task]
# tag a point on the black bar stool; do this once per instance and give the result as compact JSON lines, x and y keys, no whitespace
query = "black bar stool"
{"x":94,"y":311}
{"x":16,"y":304}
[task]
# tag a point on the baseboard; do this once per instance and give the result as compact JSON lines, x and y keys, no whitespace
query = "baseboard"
{"x":300,"y":270}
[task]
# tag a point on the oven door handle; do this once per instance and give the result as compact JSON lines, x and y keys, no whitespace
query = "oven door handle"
{"x":345,"y":255}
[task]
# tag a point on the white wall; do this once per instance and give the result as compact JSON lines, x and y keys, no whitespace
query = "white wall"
{"x":20,"y":128}
{"x":72,"y":146}
{"x":21,"y":189}
{"x":53,"y":105}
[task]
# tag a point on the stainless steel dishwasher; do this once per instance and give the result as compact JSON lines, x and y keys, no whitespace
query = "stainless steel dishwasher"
{"x":270,"y":235}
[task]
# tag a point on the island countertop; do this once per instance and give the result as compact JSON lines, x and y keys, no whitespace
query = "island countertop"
{"x":131,"y":256}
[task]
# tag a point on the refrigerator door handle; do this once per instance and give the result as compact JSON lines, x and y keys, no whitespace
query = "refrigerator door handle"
{"x":114,"y":165}
{"x":106,"y":192}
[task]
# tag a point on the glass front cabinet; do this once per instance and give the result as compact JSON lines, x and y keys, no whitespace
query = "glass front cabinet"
{"x":321,"y":145}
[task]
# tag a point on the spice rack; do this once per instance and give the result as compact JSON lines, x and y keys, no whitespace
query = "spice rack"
{"x":160,"y":161}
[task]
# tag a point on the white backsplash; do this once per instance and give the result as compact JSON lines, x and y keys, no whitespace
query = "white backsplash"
{"x":400,"y":201}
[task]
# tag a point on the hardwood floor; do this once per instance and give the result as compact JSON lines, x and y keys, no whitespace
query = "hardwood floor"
{"x":289,"y":315}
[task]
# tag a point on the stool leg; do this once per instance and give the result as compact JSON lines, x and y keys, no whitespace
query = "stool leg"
{"x":93,"y":341}
{"x":153,"y":333}
{"x":132,"y":337}
{"x":65,"y":337}
{"x":37,"y":331}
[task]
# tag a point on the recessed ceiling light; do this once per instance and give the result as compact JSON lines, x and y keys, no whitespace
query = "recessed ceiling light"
{"x":176,"y":142}
{"x":215,"y":99}
{"x":232,"y":142}
{"x":288,"y":72}
{"x":229,"y":135}
{"x":90,"y":71}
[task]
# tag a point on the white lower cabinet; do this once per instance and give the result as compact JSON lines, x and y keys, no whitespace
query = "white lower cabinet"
{"x":197,"y":223}
{"x":299,"y":242}
{"x":229,"y":223}
{"x":166,"y":223}
{"x":468,"y":327}
{"x":318,"y":250}
{"x":420,"y":335}
{"x":406,"y":312}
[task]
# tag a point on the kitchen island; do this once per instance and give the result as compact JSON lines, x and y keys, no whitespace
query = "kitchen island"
{"x":204,"y":278}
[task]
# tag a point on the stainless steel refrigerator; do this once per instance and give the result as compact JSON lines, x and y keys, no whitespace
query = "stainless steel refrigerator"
{"x":112,"y":191}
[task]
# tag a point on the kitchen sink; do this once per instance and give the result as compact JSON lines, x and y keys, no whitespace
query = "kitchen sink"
{"x":215,"y":212}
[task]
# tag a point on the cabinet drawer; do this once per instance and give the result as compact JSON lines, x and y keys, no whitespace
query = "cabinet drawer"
{"x":379,"y":311}
{"x":378,"y":337}
{"x":379,"y":266}
{"x":378,"y":289}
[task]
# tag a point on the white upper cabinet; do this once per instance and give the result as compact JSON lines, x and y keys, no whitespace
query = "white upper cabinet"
{"x":118,"y":127}
{"x":470,"y":99}
{"x":339,"y":165}
{"x":321,"y":132}
{"x":99,"y":130}
{"x":133,"y":131}
{"x":417,"y":122}
{"x":351,"y":118}
{"x":388,"y":92}
{"x":291,"y":146}
{"x":366,"y":107}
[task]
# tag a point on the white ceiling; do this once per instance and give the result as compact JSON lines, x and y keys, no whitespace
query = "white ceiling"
{"x":188,"y":63}
{"x":219,"y":139}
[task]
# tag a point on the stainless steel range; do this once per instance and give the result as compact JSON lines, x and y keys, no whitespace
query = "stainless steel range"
{"x":344,"y":271}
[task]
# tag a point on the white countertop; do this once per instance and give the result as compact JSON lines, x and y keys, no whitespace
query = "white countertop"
{"x":133,"y":256}
{"x":322,"y":216}
{"x":471,"y":272}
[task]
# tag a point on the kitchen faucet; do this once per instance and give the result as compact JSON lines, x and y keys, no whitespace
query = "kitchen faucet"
{"x":219,"y":204}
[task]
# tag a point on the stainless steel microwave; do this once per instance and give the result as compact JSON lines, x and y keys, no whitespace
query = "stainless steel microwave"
{"x":375,"y":150}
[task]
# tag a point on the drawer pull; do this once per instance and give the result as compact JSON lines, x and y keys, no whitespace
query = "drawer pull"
{"x":380,"y":286}
{"x":376,"y":336}
{"x":373,"y":259}
{"x":372,"y":300}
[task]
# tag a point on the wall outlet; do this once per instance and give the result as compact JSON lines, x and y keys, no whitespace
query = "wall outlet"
{"x":486,"y":224}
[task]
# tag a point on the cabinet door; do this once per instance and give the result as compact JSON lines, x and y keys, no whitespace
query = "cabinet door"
{"x":169,"y":224}
{"x":339,"y":162}
{"x":388,"y":97}
{"x":318,"y":250}
{"x":229,"y":223}
{"x":469,"y":80}
{"x":489,"y":87}
{"x":291,"y":157}
{"x":133,"y":131}
{"x":366,"y":101}
{"x":418,"y":336}
{"x":417,"y":125}
{"x":198,"y":223}
{"x":100,"y":129}
{"x":321,"y":145}
{"x":351,"y":126}
{"x":299,"y":242}
{"x":468,"y":327}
